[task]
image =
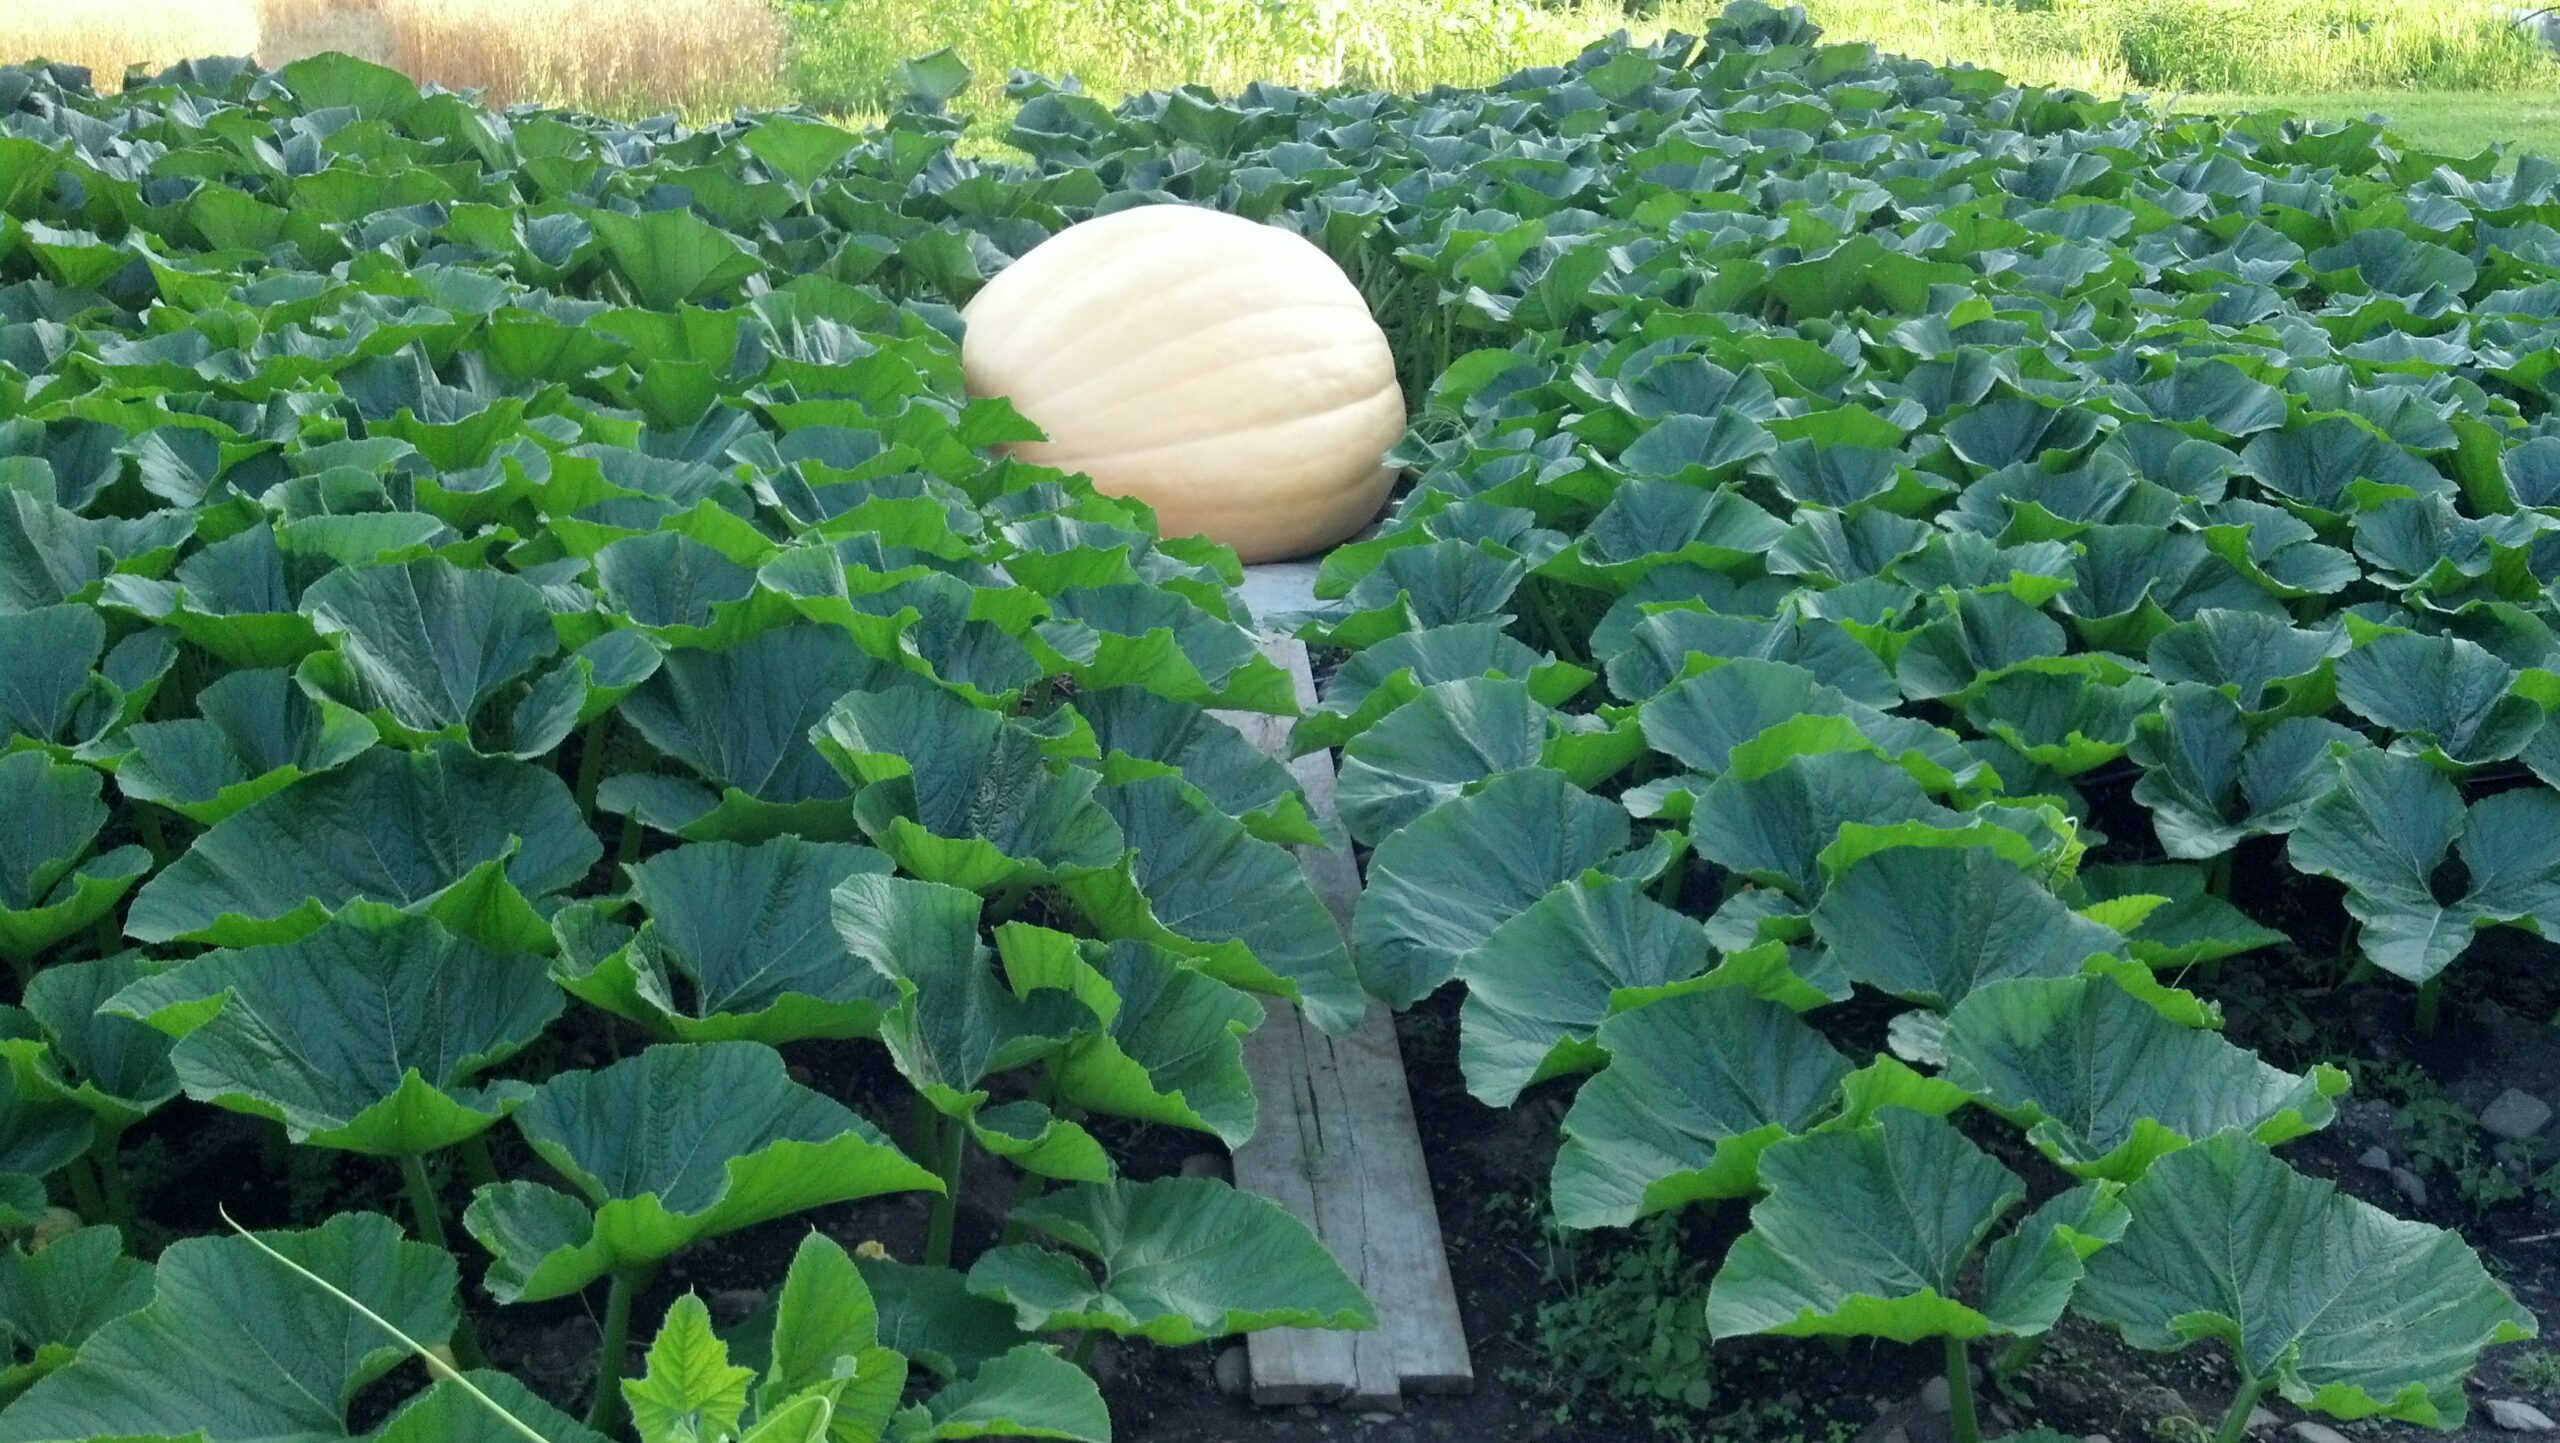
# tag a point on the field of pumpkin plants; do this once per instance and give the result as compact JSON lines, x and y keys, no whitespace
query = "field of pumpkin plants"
{"x":558,"y":770}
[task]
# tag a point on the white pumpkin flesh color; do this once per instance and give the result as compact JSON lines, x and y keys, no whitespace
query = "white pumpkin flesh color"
{"x":1225,"y":372}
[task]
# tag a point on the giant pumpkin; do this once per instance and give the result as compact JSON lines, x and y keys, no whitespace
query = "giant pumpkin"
{"x":1225,"y":372}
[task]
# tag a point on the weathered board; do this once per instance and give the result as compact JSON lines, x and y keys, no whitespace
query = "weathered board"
{"x":1337,"y":1145}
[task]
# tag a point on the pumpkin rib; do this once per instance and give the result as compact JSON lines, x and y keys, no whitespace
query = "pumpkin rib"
{"x":1231,"y":436}
{"x":1368,"y":377}
{"x":1032,"y":325}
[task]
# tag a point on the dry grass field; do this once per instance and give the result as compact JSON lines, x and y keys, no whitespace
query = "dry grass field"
{"x":603,"y":55}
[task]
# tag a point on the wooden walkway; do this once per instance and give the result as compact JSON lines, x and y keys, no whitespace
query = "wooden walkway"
{"x":1336,"y":1144}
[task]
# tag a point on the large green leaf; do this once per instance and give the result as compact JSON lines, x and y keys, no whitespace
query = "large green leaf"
{"x":116,"y":1068}
{"x":1169,"y":1048}
{"x":255,"y":734}
{"x":1865,"y":1231}
{"x":2340,"y":1305}
{"x":673,"y":256}
{"x":2422,"y":871}
{"x":50,"y":885}
{"x":1176,"y":1261}
{"x":1933,"y":923}
{"x":2104,"y":1084}
{"x":956,"y":1024}
{"x":1455,"y":735}
{"x":1029,"y":1392}
{"x":365,"y":1035}
{"x":1136,"y":635}
{"x":1545,"y":980}
{"x":53,"y":1297}
{"x":1774,"y":827}
{"x":421,"y":647}
{"x":682,"y":1142}
{"x":67,"y":688}
{"x":1698,"y":1085}
{"x":1391,"y":673}
{"x":960,"y":795}
{"x":466,"y":839}
{"x":1198,"y":883}
{"x":732,"y":942}
{"x":265,"y":1355}
{"x":741,"y":719}
{"x":447,"y":1413}
{"x":1139,"y":733}
{"x":1440,"y":886}
{"x":2210,"y":786}
{"x":2451,"y":694}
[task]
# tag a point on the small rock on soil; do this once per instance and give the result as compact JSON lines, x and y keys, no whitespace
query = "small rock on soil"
{"x":2515,"y":1115}
{"x":2519,"y":1417}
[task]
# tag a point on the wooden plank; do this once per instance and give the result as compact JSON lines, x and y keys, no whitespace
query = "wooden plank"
{"x":1287,"y":1365}
{"x":1339,"y":1148}
{"x":1408,"y":1263}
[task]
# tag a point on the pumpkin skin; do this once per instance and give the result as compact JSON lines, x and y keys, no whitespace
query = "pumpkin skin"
{"x":1225,"y":372}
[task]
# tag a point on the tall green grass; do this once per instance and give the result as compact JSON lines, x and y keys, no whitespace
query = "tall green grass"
{"x":845,"y":52}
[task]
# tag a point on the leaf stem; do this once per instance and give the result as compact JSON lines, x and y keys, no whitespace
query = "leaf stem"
{"x":2014,"y":1359}
{"x":1557,"y":639}
{"x":1084,"y":1346}
{"x":633,"y":834}
{"x":2430,"y":1005}
{"x":423,"y":1207}
{"x":85,"y":1198}
{"x":1961,"y":1421}
{"x":1007,"y":901}
{"x":605,"y":1413}
{"x":591,"y":762}
{"x":112,"y":1190}
{"x":154,"y":838}
{"x":1667,"y":891}
{"x":477,"y":1163}
{"x":2217,"y":876}
{"x":2235,"y":1424}
{"x":950,"y":1146}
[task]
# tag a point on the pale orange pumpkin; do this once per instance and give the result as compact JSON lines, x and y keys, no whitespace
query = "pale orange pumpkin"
{"x":1225,"y":372}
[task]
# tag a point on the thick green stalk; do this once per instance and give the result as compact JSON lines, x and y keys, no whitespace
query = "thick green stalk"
{"x":591,"y":762}
{"x":112,"y":1191}
{"x":478,"y":1164}
{"x":2217,"y":876}
{"x":1961,"y":1421}
{"x":2014,"y":1359}
{"x":1558,"y":641}
{"x":605,"y":1414}
{"x":2235,"y":1424}
{"x":1667,"y":891}
{"x":951,"y":1147}
{"x":154,"y":840}
{"x":423,"y":1207}
{"x":85,"y":1197}
{"x":2430,"y":1005}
